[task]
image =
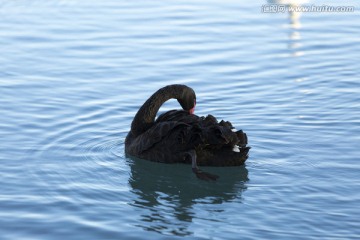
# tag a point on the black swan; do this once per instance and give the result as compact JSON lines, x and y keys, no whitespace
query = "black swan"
{"x":179,"y":136}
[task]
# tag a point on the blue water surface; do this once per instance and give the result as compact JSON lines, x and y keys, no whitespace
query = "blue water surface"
{"x":74,"y":73}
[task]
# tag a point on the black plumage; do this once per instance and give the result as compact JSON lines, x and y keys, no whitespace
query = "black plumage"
{"x":178,"y":136}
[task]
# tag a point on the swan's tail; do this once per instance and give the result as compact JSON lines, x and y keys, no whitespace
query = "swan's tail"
{"x":242,"y":137}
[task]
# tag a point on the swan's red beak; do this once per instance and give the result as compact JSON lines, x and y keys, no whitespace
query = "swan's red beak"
{"x":191,"y":111}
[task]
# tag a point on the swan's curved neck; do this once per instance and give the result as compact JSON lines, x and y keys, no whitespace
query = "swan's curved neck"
{"x":145,"y":117}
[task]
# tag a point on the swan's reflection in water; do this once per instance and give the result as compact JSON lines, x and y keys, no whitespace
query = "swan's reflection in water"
{"x":168,"y":194}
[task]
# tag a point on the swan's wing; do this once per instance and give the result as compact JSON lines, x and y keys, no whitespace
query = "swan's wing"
{"x":203,"y":131}
{"x":154,"y":135}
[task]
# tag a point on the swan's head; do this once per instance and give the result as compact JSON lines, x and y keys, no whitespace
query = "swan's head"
{"x":188,"y":100}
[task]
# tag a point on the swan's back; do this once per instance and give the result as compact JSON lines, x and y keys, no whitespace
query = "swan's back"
{"x":177,"y":131}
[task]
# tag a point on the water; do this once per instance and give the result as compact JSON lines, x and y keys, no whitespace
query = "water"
{"x":73,"y":74}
